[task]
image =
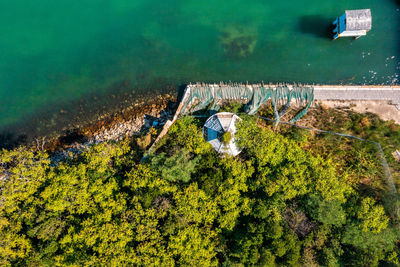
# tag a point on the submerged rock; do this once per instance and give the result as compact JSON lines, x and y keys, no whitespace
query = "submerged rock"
{"x":238,"y":43}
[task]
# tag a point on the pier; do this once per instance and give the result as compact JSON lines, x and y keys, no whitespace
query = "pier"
{"x":359,"y":92}
{"x":390,"y":93}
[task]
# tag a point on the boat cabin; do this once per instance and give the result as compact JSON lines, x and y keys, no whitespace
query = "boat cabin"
{"x":353,"y":23}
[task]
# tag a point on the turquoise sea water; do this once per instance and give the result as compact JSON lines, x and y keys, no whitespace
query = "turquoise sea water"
{"x":56,"y":55}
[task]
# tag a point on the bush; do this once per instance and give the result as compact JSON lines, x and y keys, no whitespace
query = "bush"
{"x":226,"y":138}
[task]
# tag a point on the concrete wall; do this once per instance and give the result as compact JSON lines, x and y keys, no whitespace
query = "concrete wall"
{"x":358,"y":92}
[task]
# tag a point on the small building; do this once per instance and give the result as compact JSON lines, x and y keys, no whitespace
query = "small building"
{"x":216,"y":127}
{"x":353,"y":23}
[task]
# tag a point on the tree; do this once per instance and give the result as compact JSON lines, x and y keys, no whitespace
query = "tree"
{"x":185,"y":133}
{"x":177,"y":167}
{"x":278,"y":203}
{"x":372,"y":216}
{"x":22,"y":175}
{"x":329,"y":212}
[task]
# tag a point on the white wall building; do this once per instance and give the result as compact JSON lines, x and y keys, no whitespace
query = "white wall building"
{"x":353,"y":23}
{"x":216,"y":126}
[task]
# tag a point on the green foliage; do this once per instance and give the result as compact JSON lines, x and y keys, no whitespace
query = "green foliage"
{"x":178,"y":167}
{"x":277,"y":204}
{"x":359,"y":158}
{"x":22,"y":175}
{"x":369,"y":241}
{"x":329,"y":212}
{"x":233,"y":107}
{"x":373,"y":216}
{"x":194,"y":206}
{"x":194,"y":246}
{"x":185,"y":133}
{"x":286,"y":169}
{"x":226,"y":137}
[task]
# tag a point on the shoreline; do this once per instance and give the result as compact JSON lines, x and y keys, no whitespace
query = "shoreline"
{"x":130,"y":121}
{"x":156,"y":110}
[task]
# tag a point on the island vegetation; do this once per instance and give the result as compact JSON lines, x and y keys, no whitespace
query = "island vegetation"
{"x":290,"y":198}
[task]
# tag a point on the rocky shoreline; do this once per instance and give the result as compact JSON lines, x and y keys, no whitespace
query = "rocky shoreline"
{"x":134,"y":120}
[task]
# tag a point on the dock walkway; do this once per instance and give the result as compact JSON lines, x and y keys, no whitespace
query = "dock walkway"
{"x":355,"y":92}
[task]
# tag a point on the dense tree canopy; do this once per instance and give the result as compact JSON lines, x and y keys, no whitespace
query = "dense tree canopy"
{"x":278,"y":203}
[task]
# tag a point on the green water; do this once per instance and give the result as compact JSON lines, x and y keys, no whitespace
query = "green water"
{"x":54,"y":53}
